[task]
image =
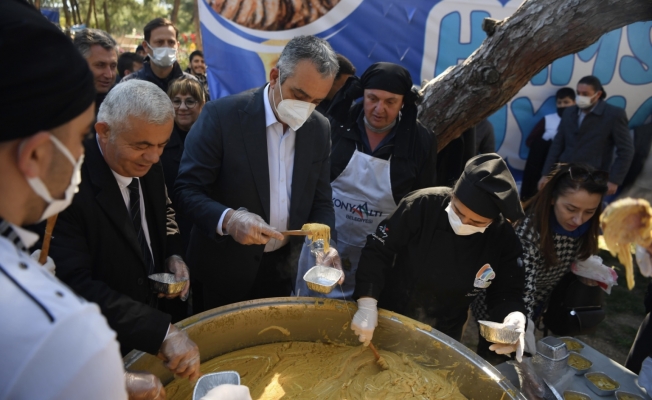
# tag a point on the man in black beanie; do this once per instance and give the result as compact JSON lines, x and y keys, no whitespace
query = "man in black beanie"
{"x":380,"y":153}
{"x":440,"y":248}
{"x":50,"y":336}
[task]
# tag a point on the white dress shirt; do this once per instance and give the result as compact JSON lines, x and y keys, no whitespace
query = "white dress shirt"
{"x":280,"y":160}
{"x":123,"y":183}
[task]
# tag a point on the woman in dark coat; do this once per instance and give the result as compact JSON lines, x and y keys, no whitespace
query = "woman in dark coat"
{"x":442,"y":247}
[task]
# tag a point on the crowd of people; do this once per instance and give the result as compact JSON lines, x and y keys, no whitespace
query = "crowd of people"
{"x":148,"y":175}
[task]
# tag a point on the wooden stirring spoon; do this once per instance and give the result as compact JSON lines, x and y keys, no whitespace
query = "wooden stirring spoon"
{"x":379,"y":359}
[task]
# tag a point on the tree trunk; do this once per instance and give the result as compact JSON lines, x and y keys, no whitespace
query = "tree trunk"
{"x":97,"y":23}
{"x":66,"y":13}
{"x":195,"y":18}
{"x":37,"y":4}
{"x":107,"y":21}
{"x":88,"y":15}
{"x":516,"y":49}
{"x":175,"y":12}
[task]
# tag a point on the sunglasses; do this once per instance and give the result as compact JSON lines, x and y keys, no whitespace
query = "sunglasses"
{"x":579,"y":174}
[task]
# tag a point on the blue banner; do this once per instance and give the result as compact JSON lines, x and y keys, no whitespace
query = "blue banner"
{"x":242,"y":43}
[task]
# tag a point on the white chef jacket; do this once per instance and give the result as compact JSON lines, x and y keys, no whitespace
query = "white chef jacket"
{"x":54,"y":344}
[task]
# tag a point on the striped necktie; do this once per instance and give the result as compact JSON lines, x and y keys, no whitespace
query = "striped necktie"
{"x":134,"y":210}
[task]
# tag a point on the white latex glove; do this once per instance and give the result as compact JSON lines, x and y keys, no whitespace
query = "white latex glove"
{"x":330,"y":259}
{"x":249,"y":228}
{"x":180,"y":354}
{"x":365,"y":319}
{"x":642,"y":260}
{"x":530,"y":340}
{"x":49,"y":264}
{"x":228,"y":392}
{"x":178,"y":267}
{"x":645,"y":376}
{"x":514,"y":321}
{"x":144,"y":386}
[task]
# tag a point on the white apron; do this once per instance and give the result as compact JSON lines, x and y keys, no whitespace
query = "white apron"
{"x":362,"y":199}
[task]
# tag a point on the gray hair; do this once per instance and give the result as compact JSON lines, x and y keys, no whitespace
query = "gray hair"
{"x":86,"y":38}
{"x":134,"y":98}
{"x":310,"y":48}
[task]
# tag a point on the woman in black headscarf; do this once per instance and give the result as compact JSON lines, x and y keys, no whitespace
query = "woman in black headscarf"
{"x":380,"y":152}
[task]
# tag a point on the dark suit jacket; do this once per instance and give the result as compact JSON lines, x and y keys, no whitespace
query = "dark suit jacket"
{"x":96,"y":251}
{"x":225,"y":165}
{"x":642,"y":143}
{"x":604,"y":128}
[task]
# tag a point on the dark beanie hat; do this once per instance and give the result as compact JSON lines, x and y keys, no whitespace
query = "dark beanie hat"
{"x":487,"y":188}
{"x":51,"y":86}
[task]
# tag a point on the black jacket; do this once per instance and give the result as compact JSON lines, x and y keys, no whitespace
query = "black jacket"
{"x":413,"y":160}
{"x":146,"y":74}
{"x":224,"y":165}
{"x":415,"y":260}
{"x":642,"y":143}
{"x":96,"y":251}
{"x":604,"y":128}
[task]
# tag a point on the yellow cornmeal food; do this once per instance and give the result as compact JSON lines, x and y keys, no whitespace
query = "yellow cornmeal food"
{"x":624,"y":222}
{"x":319,"y":231}
{"x":578,"y":362}
{"x":602,"y":382}
{"x":574,"y":396}
{"x":572,"y":345}
{"x":622,"y":396}
{"x":306,"y":370}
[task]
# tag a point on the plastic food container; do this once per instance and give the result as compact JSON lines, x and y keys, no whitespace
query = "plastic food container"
{"x":552,"y":348}
{"x":572,"y":344}
{"x":620,"y":395}
{"x":601,"y":384}
{"x":494,"y":333}
{"x":573,"y":395}
{"x":209,"y":381}
{"x":166,"y":283}
{"x":322,"y":279}
{"x":579,"y":363}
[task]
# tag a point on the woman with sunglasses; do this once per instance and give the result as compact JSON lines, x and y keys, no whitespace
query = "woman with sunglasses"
{"x":561,"y":225}
{"x":187,"y":96}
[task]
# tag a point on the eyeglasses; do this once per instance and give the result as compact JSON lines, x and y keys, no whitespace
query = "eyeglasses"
{"x":579,"y":174}
{"x":190,"y":103}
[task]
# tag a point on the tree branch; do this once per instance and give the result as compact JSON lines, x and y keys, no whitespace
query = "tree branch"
{"x":517,"y":48}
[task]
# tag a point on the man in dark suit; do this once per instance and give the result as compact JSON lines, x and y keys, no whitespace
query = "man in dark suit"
{"x":588,"y":133}
{"x":255,"y":164}
{"x":120,"y":228}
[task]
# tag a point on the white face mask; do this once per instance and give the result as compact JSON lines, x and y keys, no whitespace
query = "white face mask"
{"x":163,"y":56}
{"x":292,"y":112}
{"x":460,"y":228}
{"x":55,"y":206}
{"x":583,"y":102}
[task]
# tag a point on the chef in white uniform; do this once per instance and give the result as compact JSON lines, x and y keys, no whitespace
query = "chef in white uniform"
{"x":380,"y":153}
{"x":54,"y":344}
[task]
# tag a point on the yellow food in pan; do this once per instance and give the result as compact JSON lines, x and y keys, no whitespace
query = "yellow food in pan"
{"x":572,"y":345}
{"x":602,"y":382}
{"x":578,"y":362}
{"x":319,"y":231}
{"x":574,"y":396}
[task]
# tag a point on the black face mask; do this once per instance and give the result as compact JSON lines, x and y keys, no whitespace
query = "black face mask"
{"x":560,"y":111}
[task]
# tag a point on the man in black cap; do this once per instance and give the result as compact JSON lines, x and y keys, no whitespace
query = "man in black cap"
{"x":380,"y":153}
{"x":440,"y":248}
{"x":49,"y":334}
